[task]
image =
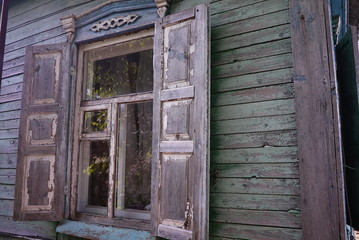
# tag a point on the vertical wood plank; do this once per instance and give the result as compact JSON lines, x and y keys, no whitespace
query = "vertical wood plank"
{"x":317,"y":114}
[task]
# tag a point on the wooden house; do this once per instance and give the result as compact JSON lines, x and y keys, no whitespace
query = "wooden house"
{"x":181,"y":119}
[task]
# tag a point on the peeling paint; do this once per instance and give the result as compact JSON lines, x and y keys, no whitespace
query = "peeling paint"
{"x":92,"y":231}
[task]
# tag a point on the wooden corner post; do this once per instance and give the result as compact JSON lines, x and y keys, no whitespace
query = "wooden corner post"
{"x":321,"y":168}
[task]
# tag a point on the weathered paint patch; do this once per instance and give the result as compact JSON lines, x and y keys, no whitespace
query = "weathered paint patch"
{"x":92,"y":231}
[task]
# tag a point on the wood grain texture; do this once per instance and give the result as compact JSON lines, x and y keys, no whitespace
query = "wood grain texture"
{"x":282,"y":91}
{"x":250,"y":110}
{"x":251,"y":38}
{"x":255,"y":217}
{"x":245,"y":12}
{"x":256,"y":186}
{"x":245,"y":140}
{"x":316,"y":110}
{"x":257,"y":23}
{"x":255,"y":201}
{"x":254,"y":232}
{"x":252,"y":80}
{"x":182,"y":180}
{"x":251,"y":125}
{"x":278,"y":170}
{"x":255,"y":155}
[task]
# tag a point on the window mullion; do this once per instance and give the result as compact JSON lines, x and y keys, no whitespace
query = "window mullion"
{"x":113,"y":143}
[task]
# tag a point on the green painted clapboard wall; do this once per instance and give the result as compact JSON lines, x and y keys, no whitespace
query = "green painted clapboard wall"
{"x":254,"y":166}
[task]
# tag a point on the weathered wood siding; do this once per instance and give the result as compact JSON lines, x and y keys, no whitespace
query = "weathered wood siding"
{"x":254,"y":164}
{"x":30,"y":23}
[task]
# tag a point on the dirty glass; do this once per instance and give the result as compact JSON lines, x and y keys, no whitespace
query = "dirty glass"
{"x":119,"y":69}
{"x":134,"y":157}
{"x":97,"y":171}
{"x":95,"y":121}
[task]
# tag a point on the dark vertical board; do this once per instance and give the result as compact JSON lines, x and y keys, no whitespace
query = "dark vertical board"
{"x":316,"y":110}
{"x":349,"y":110}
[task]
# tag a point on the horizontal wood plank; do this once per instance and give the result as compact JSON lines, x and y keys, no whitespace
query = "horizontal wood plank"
{"x":7,"y":191}
{"x":255,"y":155}
{"x":278,"y":170}
{"x":9,"y":133}
{"x":256,"y":186}
{"x":8,"y":145}
{"x":246,"y":12}
{"x":251,"y":38}
{"x":6,"y":207}
{"x":246,"y":140}
{"x":34,"y":39}
{"x":263,"y":124}
{"x":253,"y":232}
{"x":255,"y":217}
{"x":9,"y":115}
{"x":250,"y":110}
{"x":14,"y":63}
{"x":13,"y":71}
{"x":282,"y":91}
{"x":12,"y":80}
{"x":21,"y":51}
{"x":7,"y":176}
{"x":225,"y":5}
{"x":11,"y":89}
{"x":10,"y":106}
{"x":250,"y":25}
{"x":252,"y":52}
{"x":8,"y":160}
{"x":51,"y":21}
{"x":7,"y":124}
{"x":252,"y":80}
{"x":255,"y":202}
{"x":10,"y":97}
{"x":253,"y":66}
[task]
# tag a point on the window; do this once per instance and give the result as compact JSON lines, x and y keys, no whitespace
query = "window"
{"x":115,"y":124}
{"x":122,"y":141}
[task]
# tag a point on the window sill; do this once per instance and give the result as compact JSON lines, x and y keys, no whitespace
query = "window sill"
{"x":93,"y":231}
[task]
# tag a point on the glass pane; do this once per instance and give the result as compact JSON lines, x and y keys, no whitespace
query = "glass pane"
{"x":121,"y":69}
{"x":97,"y":172}
{"x":135,"y":152}
{"x":95,"y":121}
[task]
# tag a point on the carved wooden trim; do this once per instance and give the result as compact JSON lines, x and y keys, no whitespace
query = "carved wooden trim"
{"x":162,"y":6}
{"x":114,"y":22}
{"x":68,"y":23}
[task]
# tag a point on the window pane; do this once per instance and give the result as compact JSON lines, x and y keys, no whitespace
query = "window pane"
{"x":116,"y":70}
{"x":97,"y":171}
{"x":95,"y":121}
{"x":135,"y":152}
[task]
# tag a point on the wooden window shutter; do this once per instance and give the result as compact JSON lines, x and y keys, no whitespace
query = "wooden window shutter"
{"x":41,"y":166}
{"x":180,"y":179}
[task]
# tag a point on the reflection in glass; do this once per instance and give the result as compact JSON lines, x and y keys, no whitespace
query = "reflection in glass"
{"x":110,"y":74}
{"x":95,"y":121}
{"x":97,"y":171}
{"x":134,"y":160}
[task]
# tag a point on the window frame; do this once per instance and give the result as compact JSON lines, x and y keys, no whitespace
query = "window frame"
{"x":112,"y":104}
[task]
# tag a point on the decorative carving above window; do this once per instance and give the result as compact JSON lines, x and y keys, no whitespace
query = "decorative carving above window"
{"x":114,"y":16}
{"x":162,"y":7}
{"x":115,"y":22}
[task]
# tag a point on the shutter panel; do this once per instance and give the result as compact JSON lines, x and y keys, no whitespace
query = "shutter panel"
{"x":41,"y":166}
{"x":180,"y":179}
